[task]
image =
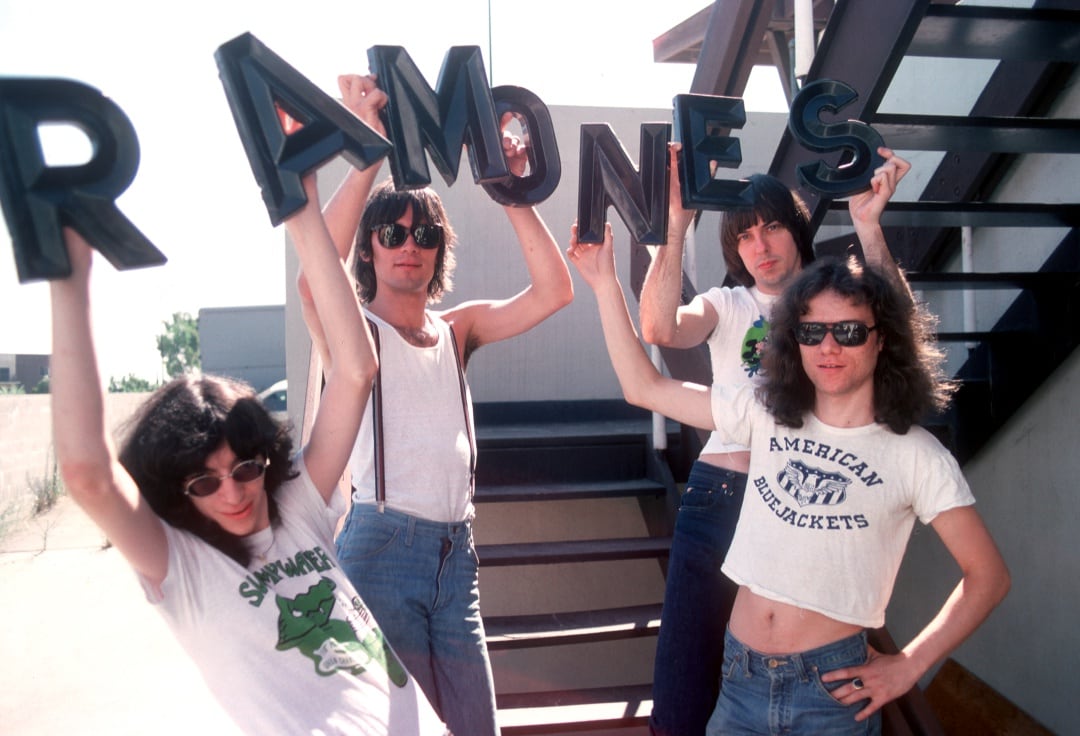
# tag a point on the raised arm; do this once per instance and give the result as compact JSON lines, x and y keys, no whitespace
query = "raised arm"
{"x":351,"y":364}
{"x":665,"y":320}
{"x":550,"y":287}
{"x":866,"y":209}
{"x":342,"y":213}
{"x":87,"y":459}
{"x":642,"y":385}
{"x":984,"y":583}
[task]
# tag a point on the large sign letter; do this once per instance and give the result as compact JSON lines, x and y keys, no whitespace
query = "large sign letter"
{"x":545,"y":168}
{"x":699,"y":122}
{"x":260,"y":87}
{"x":418,"y":119}
{"x":858,"y":139}
{"x":607,"y":176}
{"x":39,"y":199}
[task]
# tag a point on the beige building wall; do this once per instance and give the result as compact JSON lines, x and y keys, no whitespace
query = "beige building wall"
{"x":564,"y":357}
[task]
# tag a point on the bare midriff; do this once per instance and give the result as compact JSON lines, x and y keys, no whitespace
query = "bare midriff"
{"x":769,"y":626}
{"x":772,"y":627}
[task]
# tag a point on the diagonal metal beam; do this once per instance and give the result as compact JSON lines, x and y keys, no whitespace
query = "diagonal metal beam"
{"x":981,"y":133}
{"x":950,"y":214}
{"x":1021,"y":34}
{"x":732,"y":44}
{"x":863,"y":44}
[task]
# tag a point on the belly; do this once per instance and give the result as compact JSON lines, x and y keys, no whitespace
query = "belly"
{"x":772,"y":627}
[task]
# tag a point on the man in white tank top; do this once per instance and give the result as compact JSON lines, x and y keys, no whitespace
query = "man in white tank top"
{"x":407,"y":540}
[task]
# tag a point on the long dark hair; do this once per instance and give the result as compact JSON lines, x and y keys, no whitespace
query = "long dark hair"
{"x":185,"y":421}
{"x":385,"y":205}
{"x":773,"y":202}
{"x":908,"y":381}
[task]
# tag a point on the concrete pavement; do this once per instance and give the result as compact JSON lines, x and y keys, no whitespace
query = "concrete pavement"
{"x":81,"y":651}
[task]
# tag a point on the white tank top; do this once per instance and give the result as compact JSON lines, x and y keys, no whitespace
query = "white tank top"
{"x":428,"y":444}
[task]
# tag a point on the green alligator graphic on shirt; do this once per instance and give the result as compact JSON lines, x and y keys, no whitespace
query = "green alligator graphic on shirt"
{"x":332,"y":644}
{"x":752,"y":345}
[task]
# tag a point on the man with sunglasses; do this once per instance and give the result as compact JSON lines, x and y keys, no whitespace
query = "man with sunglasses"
{"x":839,"y":471}
{"x":407,"y":540}
{"x":764,"y":248}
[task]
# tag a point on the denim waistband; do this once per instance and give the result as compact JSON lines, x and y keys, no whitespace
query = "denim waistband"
{"x":712,"y":476}
{"x":413,"y":525}
{"x":824,"y":658}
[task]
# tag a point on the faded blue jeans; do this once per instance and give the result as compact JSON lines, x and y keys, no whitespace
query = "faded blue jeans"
{"x":783,"y":693}
{"x":419,"y":578}
{"x":697,"y":603}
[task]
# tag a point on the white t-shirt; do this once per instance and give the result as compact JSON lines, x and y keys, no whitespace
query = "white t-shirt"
{"x":735,"y":344}
{"x":287,"y":646}
{"x":828,"y":511}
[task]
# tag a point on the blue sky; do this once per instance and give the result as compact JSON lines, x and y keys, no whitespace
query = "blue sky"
{"x":195,"y":196}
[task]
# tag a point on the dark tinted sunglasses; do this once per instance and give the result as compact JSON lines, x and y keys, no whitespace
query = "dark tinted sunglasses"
{"x":847,"y":334}
{"x":395,"y":234}
{"x":243,"y":472}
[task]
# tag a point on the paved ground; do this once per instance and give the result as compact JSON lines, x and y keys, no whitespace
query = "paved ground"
{"x":82,"y":652}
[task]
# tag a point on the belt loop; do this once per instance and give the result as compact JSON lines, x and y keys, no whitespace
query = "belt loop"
{"x":410,"y":529}
{"x":800,"y":667}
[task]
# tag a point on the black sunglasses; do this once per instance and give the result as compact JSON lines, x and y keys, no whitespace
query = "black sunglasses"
{"x":850,"y":334}
{"x":244,"y":471}
{"x":394,"y":235}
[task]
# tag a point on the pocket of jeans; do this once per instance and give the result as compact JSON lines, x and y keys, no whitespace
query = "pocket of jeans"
{"x":695,"y":498}
{"x":732,"y":665}
{"x":362,"y":541}
{"x":827,"y":688}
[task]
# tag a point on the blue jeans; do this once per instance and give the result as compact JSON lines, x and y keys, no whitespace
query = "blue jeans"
{"x":697,"y":603}
{"x":420,"y":580}
{"x":784,"y":694}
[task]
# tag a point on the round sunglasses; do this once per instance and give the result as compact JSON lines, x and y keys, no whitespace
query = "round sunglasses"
{"x":393,"y":235}
{"x":244,"y":471}
{"x":850,"y":334}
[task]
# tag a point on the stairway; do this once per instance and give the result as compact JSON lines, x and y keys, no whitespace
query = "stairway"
{"x":1025,"y":282}
{"x":975,"y":185}
{"x":572,"y":531}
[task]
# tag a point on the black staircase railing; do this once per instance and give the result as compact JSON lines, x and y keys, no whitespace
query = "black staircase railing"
{"x":1037,"y":50}
{"x":864,"y":42}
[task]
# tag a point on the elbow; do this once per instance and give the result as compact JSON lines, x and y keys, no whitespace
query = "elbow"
{"x":554,"y":298}
{"x":1004,"y":584}
{"x":654,"y":329}
{"x":640,"y":392}
{"x":562,"y":294}
{"x":371,"y":370}
{"x":655,"y":335}
{"x":634,"y":397}
{"x":994,"y":584}
{"x":86,"y":481}
{"x":363,"y":375}
{"x":566,"y":296}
